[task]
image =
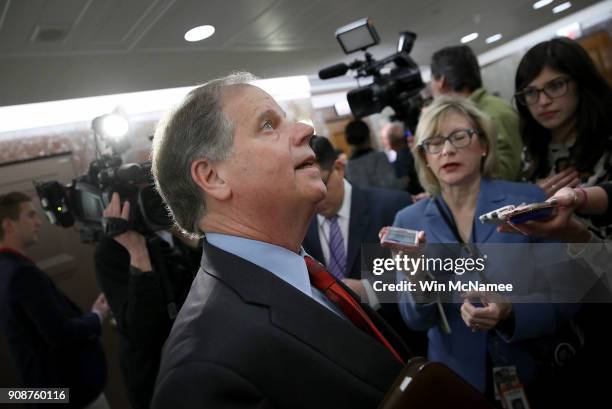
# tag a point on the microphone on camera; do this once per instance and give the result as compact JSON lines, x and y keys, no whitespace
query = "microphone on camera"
{"x":333,"y":71}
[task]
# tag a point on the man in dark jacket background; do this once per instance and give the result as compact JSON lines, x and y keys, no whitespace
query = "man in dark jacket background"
{"x":52,"y":343}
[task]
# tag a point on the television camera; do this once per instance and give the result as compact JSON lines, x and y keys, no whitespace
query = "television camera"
{"x":83,"y":200}
{"x":399,"y":89}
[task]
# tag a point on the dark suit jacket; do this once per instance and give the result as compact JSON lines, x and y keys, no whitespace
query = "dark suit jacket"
{"x":371,"y":209}
{"x":246,"y":339}
{"x":51,"y":342}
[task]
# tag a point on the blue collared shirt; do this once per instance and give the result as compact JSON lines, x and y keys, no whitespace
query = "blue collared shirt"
{"x":286,"y":265}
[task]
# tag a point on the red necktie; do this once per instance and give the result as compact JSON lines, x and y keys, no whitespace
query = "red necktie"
{"x":323,"y":281}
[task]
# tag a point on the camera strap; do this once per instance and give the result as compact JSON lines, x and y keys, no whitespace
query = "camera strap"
{"x":159,"y":264}
{"x":114,"y":226}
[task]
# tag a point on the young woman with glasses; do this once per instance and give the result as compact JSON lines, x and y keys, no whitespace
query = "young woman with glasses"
{"x":565,"y":109}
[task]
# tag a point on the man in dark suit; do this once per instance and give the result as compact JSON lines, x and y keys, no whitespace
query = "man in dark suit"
{"x":52,"y":343}
{"x":257,"y":329}
{"x":404,"y":161}
{"x":359,"y":214}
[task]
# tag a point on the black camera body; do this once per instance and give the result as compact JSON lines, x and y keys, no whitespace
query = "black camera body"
{"x":399,"y":89}
{"x":84,"y":199}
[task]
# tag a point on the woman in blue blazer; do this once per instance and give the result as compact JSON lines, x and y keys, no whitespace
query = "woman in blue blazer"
{"x":455,"y":160}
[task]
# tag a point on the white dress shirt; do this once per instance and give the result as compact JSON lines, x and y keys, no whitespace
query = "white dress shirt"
{"x":286,"y":265}
{"x":344,"y":219}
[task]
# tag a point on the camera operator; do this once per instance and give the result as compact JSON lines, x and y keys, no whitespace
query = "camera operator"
{"x":146,"y":280}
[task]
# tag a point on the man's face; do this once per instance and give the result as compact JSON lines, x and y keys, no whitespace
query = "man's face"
{"x":272,"y":166}
{"x":334,"y":179}
{"x":384,"y":139}
{"x":25,"y":229}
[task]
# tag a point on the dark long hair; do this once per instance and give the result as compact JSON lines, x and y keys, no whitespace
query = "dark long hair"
{"x":593,"y":113}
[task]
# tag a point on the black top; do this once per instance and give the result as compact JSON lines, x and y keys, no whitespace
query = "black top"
{"x":404,"y":166}
{"x":142,"y":305}
{"x":605,"y":219}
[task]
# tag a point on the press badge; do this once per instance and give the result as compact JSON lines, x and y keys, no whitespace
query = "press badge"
{"x":508,"y":388}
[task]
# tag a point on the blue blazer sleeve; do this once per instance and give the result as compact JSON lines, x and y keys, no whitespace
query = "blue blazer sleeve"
{"x":417,"y":316}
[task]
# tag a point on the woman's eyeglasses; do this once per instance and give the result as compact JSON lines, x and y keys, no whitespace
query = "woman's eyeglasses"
{"x":552,"y":89}
{"x":461,"y":138}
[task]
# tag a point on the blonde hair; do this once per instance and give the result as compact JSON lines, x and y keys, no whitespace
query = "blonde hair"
{"x":429,"y":125}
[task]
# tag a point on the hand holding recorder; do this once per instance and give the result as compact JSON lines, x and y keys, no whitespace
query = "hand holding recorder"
{"x":519,"y":214}
{"x":399,"y":239}
{"x":561,"y":225}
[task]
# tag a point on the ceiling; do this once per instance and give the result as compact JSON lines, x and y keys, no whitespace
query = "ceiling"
{"x":58,"y":49}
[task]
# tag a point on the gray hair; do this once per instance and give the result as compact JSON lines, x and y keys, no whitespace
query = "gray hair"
{"x":429,"y":124}
{"x":196,"y":129}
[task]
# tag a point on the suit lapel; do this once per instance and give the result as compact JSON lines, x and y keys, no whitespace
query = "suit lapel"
{"x":439,"y":231}
{"x":489,"y":198}
{"x":304,"y":318}
{"x":358,"y":227}
{"x":334,"y":337}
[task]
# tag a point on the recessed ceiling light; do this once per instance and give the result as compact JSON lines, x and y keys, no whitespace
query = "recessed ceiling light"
{"x":199,"y":33}
{"x":561,"y":7}
{"x":468,"y":38}
{"x":541,"y":3}
{"x":493,"y":38}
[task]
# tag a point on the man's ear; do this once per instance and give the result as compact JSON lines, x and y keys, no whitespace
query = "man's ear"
{"x":7,"y":225}
{"x":339,"y":167}
{"x":441,"y":84}
{"x":206,"y":176}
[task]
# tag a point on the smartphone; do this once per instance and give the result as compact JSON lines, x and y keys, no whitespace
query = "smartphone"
{"x":493,"y":217}
{"x":396,"y":238}
{"x":534,"y":211}
{"x":519,"y":214}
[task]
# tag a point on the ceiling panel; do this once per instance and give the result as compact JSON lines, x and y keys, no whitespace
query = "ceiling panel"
{"x":131,"y":45}
{"x":314,"y":29}
{"x":114,"y":20}
{"x":61,"y":11}
{"x":228,"y":16}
